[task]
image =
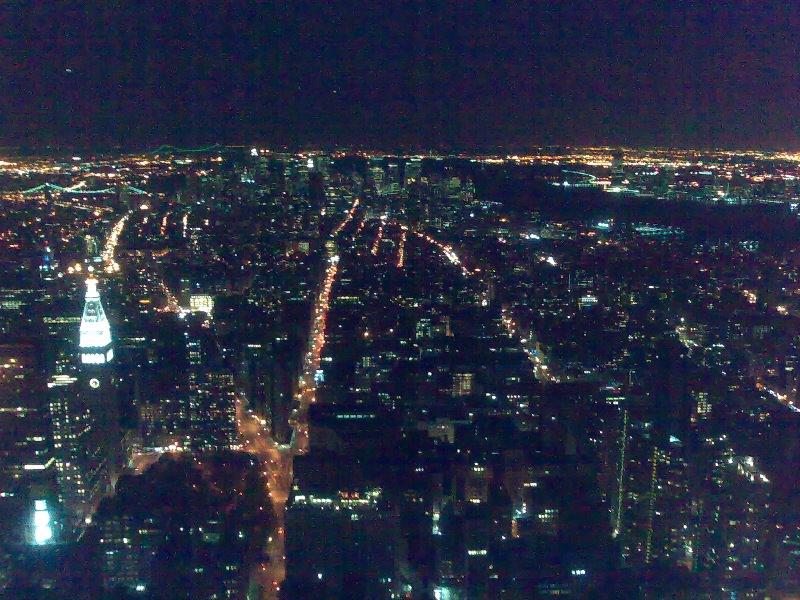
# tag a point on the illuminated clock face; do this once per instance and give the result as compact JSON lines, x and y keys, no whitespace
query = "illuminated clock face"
{"x":94,"y":383}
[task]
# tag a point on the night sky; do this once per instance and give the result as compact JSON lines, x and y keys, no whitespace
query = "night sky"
{"x":429,"y":73}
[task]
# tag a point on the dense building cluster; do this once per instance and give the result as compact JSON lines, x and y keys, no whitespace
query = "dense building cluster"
{"x":241,"y":373}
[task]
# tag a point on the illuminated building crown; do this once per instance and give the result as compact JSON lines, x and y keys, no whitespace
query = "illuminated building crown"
{"x":95,"y":340}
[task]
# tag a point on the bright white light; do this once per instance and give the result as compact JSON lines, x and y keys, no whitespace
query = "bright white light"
{"x":201,"y":303}
{"x":95,"y":331}
{"x":42,"y":532}
{"x":91,"y":287}
{"x":93,"y":358}
{"x":41,"y":518}
{"x":42,"y":535}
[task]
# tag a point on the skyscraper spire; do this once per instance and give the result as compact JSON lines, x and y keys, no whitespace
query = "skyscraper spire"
{"x":95,"y":340}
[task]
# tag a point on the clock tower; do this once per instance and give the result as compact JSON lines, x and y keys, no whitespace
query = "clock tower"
{"x":98,"y":391}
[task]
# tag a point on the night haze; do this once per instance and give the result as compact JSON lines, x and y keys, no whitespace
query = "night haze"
{"x":422,"y":73}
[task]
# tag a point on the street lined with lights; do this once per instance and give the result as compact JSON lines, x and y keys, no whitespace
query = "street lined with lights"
{"x":529,"y":346}
{"x":540,"y":368}
{"x":377,"y":242}
{"x":112,"y":241}
{"x":401,"y":250}
{"x":275,"y":458}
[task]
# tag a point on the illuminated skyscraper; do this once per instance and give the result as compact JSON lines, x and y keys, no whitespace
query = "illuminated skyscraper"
{"x":212,"y":400}
{"x":78,"y":461}
{"x":95,"y":340}
{"x":393,"y":179}
{"x":27,"y":469}
{"x":376,"y":174}
{"x":462,"y":384}
{"x":85,"y":418}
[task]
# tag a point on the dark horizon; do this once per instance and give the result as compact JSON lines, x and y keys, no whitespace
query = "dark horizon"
{"x":423,"y":74}
{"x":388,"y":150}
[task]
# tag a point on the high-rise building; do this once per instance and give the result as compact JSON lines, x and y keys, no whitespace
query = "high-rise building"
{"x":27,"y":466}
{"x":651,"y":510}
{"x":791,"y":371}
{"x":212,"y":399}
{"x":85,"y":416}
{"x":412,"y":171}
{"x":702,"y":406}
{"x":98,"y":387}
{"x":392,"y":186}
{"x":357,"y":556}
{"x":61,"y":320}
{"x":270,"y":373}
{"x":79,"y":462}
{"x":376,"y":174}
{"x":95,"y":333}
{"x":129,"y":549}
{"x":463,"y":383}
{"x":617,"y":167}
{"x":47,"y":270}
{"x":97,"y":379}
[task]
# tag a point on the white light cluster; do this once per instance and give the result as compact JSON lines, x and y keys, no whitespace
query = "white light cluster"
{"x":201,"y":303}
{"x":97,"y":358}
{"x":42,"y":532}
{"x":95,"y":332}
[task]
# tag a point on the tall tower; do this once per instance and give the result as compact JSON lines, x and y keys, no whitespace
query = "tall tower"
{"x":617,"y":167}
{"x":97,"y":388}
{"x":95,"y":340}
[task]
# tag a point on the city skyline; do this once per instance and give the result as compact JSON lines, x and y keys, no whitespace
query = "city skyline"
{"x":256,"y":373}
{"x":426,"y":299}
